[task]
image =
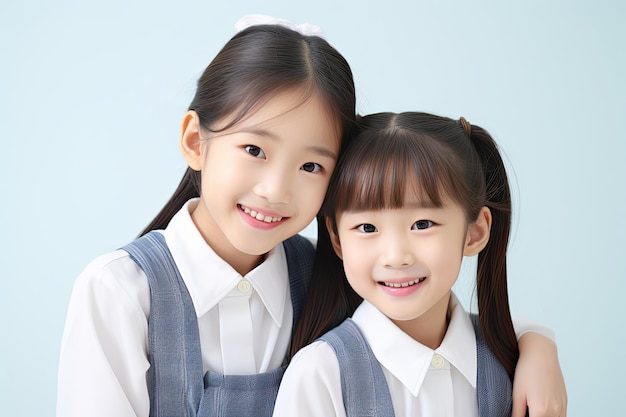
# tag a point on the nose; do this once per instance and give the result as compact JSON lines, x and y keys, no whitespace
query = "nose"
{"x":397,"y":254}
{"x":274,"y":186}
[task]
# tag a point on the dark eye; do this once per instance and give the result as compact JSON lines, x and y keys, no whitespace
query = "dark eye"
{"x":311,"y":167}
{"x":367,"y":228}
{"x":422,"y":224}
{"x":255,"y":151}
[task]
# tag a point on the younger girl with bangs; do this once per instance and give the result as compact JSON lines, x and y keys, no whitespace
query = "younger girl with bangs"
{"x":411,"y":196}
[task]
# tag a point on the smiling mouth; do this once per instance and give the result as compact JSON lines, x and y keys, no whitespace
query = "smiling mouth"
{"x":402,"y":284}
{"x":260,"y":216}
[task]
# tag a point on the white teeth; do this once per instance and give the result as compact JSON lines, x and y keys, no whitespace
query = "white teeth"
{"x":403,"y":284}
{"x":261,"y":217}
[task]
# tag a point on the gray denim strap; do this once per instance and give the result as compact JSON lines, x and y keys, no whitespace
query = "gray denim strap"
{"x":365,"y":390}
{"x":300,"y":254}
{"x":363,"y":384}
{"x":175,"y":382}
{"x":493,"y":385}
{"x":179,"y":388}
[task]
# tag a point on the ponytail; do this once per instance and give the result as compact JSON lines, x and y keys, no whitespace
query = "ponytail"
{"x":491,"y":281}
{"x":188,"y":188}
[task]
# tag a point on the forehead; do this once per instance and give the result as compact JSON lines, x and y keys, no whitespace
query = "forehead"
{"x":276,"y":104}
{"x":292,"y":114}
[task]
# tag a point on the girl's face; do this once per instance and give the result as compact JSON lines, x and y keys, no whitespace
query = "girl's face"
{"x":264,"y":179}
{"x":404,"y":261}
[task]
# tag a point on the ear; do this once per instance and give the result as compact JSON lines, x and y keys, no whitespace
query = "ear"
{"x":334,"y":238}
{"x":478,"y":233}
{"x":190,"y":140}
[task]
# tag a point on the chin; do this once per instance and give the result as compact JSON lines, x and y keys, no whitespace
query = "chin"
{"x":396,"y":315}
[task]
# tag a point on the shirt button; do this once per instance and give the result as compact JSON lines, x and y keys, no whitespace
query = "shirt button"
{"x":437,"y":362}
{"x":243,"y":286}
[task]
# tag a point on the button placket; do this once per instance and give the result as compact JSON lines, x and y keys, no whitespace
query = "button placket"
{"x":236,"y":331}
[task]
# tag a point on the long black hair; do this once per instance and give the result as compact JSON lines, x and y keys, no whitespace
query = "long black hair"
{"x":439,"y":157}
{"x":253,"y":66}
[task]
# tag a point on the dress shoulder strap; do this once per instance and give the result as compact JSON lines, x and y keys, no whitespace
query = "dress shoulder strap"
{"x":365,"y":389}
{"x":300,"y":254}
{"x":363,"y":384}
{"x":178,"y":371}
{"x":493,"y":385}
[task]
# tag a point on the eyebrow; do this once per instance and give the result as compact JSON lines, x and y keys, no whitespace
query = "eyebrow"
{"x":323,"y":152}
{"x":320,"y":150}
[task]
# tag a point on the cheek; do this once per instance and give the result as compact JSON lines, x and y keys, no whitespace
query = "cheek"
{"x":218,"y":177}
{"x":217,"y":166}
{"x":446,"y":258}
{"x":353,"y":274}
{"x":359,"y":276}
{"x":355,"y":262}
{"x":311,"y":196}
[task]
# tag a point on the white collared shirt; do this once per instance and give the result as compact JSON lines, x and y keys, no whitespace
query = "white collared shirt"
{"x":245,"y":323}
{"x":423,"y":382}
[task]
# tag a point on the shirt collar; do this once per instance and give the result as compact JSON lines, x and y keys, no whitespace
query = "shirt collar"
{"x":270,"y":280}
{"x":459,"y":343}
{"x":209,"y":278}
{"x":409,"y":360}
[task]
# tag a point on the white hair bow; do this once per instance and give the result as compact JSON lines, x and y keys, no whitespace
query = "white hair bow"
{"x":306,"y":29}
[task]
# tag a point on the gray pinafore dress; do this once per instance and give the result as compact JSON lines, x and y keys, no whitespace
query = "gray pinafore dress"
{"x":365,"y":390}
{"x":176,"y":384}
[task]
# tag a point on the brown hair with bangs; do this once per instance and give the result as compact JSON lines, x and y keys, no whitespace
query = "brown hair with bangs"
{"x":435,"y":157}
{"x":379,"y":172}
{"x":255,"y":65}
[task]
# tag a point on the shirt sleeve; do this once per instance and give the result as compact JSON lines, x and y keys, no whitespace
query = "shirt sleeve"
{"x":103,"y":359}
{"x":311,"y":385}
{"x":523,"y":325}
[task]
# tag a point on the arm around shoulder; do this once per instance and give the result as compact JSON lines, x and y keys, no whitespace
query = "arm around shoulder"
{"x":538,"y":383}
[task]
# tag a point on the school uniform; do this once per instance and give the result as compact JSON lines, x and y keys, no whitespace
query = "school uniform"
{"x":244,"y":324}
{"x":421,"y":381}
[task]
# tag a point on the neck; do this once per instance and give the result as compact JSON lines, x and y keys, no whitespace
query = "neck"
{"x":430,"y":328}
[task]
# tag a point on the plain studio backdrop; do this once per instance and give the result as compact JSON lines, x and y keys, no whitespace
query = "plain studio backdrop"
{"x":93,"y":92}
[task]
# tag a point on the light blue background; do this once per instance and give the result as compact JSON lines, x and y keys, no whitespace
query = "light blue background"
{"x":92,"y":93}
